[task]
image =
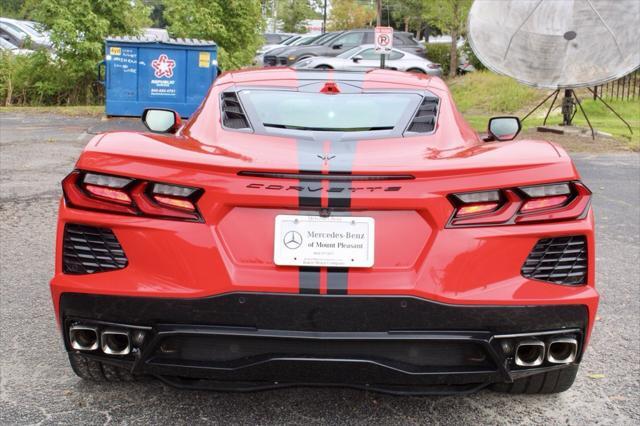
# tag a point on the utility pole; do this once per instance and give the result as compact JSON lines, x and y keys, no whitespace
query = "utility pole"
{"x":324,"y":17}
{"x":379,"y":24}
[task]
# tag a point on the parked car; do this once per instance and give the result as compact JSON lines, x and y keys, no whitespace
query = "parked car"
{"x":7,"y":46}
{"x":23,"y":34}
{"x":343,"y":228}
{"x":299,"y":40}
{"x":348,"y":39}
{"x":278,"y":57}
{"x":363,"y":58}
{"x":276,"y":38}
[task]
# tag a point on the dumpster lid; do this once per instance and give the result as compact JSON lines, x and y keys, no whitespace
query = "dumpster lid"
{"x":150,"y":40}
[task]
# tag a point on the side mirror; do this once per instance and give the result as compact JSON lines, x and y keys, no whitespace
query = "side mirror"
{"x":161,"y":120}
{"x":337,"y":46}
{"x":503,"y":128}
{"x":356,"y":58}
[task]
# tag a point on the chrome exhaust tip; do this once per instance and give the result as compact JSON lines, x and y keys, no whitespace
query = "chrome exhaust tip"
{"x":115,"y":342}
{"x":529,"y":353}
{"x":83,"y":337}
{"x":562,"y":350}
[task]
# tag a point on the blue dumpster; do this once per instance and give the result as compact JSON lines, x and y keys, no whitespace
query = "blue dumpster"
{"x":144,"y":73}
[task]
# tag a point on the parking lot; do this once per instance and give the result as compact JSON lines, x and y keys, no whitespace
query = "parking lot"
{"x":38,"y":387}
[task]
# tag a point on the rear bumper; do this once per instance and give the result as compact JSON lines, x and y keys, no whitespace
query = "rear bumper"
{"x":252,"y":341}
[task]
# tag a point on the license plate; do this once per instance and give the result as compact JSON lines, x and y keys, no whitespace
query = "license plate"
{"x":345,"y":241}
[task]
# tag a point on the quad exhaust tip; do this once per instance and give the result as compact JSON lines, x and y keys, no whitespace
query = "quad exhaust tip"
{"x":562,"y":350}
{"x":115,"y":342}
{"x":530,"y":353}
{"x":83,"y":337}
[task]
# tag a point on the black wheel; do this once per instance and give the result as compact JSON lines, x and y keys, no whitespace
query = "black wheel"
{"x":552,"y":382}
{"x":96,"y":371}
{"x":416,"y":71}
{"x":324,"y":67}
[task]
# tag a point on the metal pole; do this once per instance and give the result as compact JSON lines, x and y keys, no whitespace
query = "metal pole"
{"x":379,"y":24}
{"x":324,"y":17}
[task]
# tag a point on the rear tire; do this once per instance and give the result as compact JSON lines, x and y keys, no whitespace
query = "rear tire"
{"x":96,"y":371}
{"x":551,"y":382}
{"x":324,"y":67}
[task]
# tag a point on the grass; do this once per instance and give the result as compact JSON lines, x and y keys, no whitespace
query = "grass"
{"x":483,"y":94}
{"x":75,"y":111}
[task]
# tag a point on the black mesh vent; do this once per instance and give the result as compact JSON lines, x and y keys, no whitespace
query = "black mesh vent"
{"x":425,"y":119}
{"x":233,"y":115}
{"x":561,"y":260}
{"x":87,"y":249}
{"x":270,"y":60}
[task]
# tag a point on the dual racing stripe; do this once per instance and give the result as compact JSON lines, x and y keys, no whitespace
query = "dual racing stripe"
{"x":333,"y":157}
{"x":326,"y":155}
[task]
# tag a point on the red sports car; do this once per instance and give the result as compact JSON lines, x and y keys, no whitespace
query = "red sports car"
{"x":326,"y":228}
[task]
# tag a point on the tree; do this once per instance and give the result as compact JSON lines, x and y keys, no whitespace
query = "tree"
{"x":450,"y":16}
{"x":78,"y":29}
{"x":409,"y":12}
{"x":235,"y":26}
{"x":349,"y":14}
{"x":294,"y":13}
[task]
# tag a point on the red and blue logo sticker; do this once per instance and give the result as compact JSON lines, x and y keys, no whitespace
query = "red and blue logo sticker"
{"x":163,"y":66}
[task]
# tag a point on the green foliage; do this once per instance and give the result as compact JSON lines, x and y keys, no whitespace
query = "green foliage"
{"x":31,"y":79}
{"x":484,"y":91}
{"x":471,"y":57}
{"x":409,"y":12}
{"x":78,"y":29}
{"x":350,"y":14}
{"x":235,"y":25}
{"x":450,"y":16}
{"x":11,"y":8}
{"x":439,"y":53}
{"x":293,"y":14}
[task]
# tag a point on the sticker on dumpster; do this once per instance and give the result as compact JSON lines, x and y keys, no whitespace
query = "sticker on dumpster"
{"x":115,"y":51}
{"x":125,"y":60}
{"x":163,"y":66}
{"x":203,"y":59}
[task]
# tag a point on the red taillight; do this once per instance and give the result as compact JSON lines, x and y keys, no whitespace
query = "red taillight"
{"x":558,"y":201}
{"x":115,"y":195}
{"x":137,"y":197}
{"x":175,"y":202}
{"x":544,"y":203}
{"x":477,"y":208}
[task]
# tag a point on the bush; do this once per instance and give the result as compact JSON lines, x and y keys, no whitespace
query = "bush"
{"x":467,"y":51}
{"x":439,"y":53}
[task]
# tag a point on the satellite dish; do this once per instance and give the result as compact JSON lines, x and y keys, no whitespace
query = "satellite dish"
{"x":557,"y":44}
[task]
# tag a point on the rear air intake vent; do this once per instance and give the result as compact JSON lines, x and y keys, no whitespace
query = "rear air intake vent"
{"x":233,"y":116}
{"x":561,"y":260}
{"x":87,"y":249}
{"x":425,"y":119}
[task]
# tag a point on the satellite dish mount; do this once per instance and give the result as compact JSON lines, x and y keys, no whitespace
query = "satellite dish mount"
{"x":569,"y":110}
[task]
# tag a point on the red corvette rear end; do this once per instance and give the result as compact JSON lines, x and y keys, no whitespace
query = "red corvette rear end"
{"x":323,"y":228}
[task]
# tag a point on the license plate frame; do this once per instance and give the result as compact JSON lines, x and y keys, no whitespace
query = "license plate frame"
{"x":334,"y":241}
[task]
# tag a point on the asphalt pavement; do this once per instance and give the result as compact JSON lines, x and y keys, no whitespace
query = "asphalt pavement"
{"x":37,"y":385}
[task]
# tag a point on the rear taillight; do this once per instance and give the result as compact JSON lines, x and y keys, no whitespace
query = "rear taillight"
{"x":116,"y":194}
{"x":549,"y":202}
{"x":434,"y":66}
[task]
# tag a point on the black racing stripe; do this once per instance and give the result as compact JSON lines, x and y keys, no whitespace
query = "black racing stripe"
{"x":337,"y":280}
{"x":309,"y":195}
{"x":340,"y":198}
{"x":309,"y":280}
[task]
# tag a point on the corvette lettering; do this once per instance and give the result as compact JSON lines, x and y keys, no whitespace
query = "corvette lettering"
{"x":319,"y":188}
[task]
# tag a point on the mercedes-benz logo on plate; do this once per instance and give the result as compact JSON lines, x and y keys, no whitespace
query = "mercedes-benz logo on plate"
{"x":292,"y":240}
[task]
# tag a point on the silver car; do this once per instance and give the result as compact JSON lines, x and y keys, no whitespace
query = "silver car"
{"x":364,"y":57}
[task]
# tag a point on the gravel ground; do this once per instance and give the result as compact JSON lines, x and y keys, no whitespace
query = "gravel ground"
{"x":37,"y":385}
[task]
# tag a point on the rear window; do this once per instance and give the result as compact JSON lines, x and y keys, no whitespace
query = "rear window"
{"x":322,"y":112}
